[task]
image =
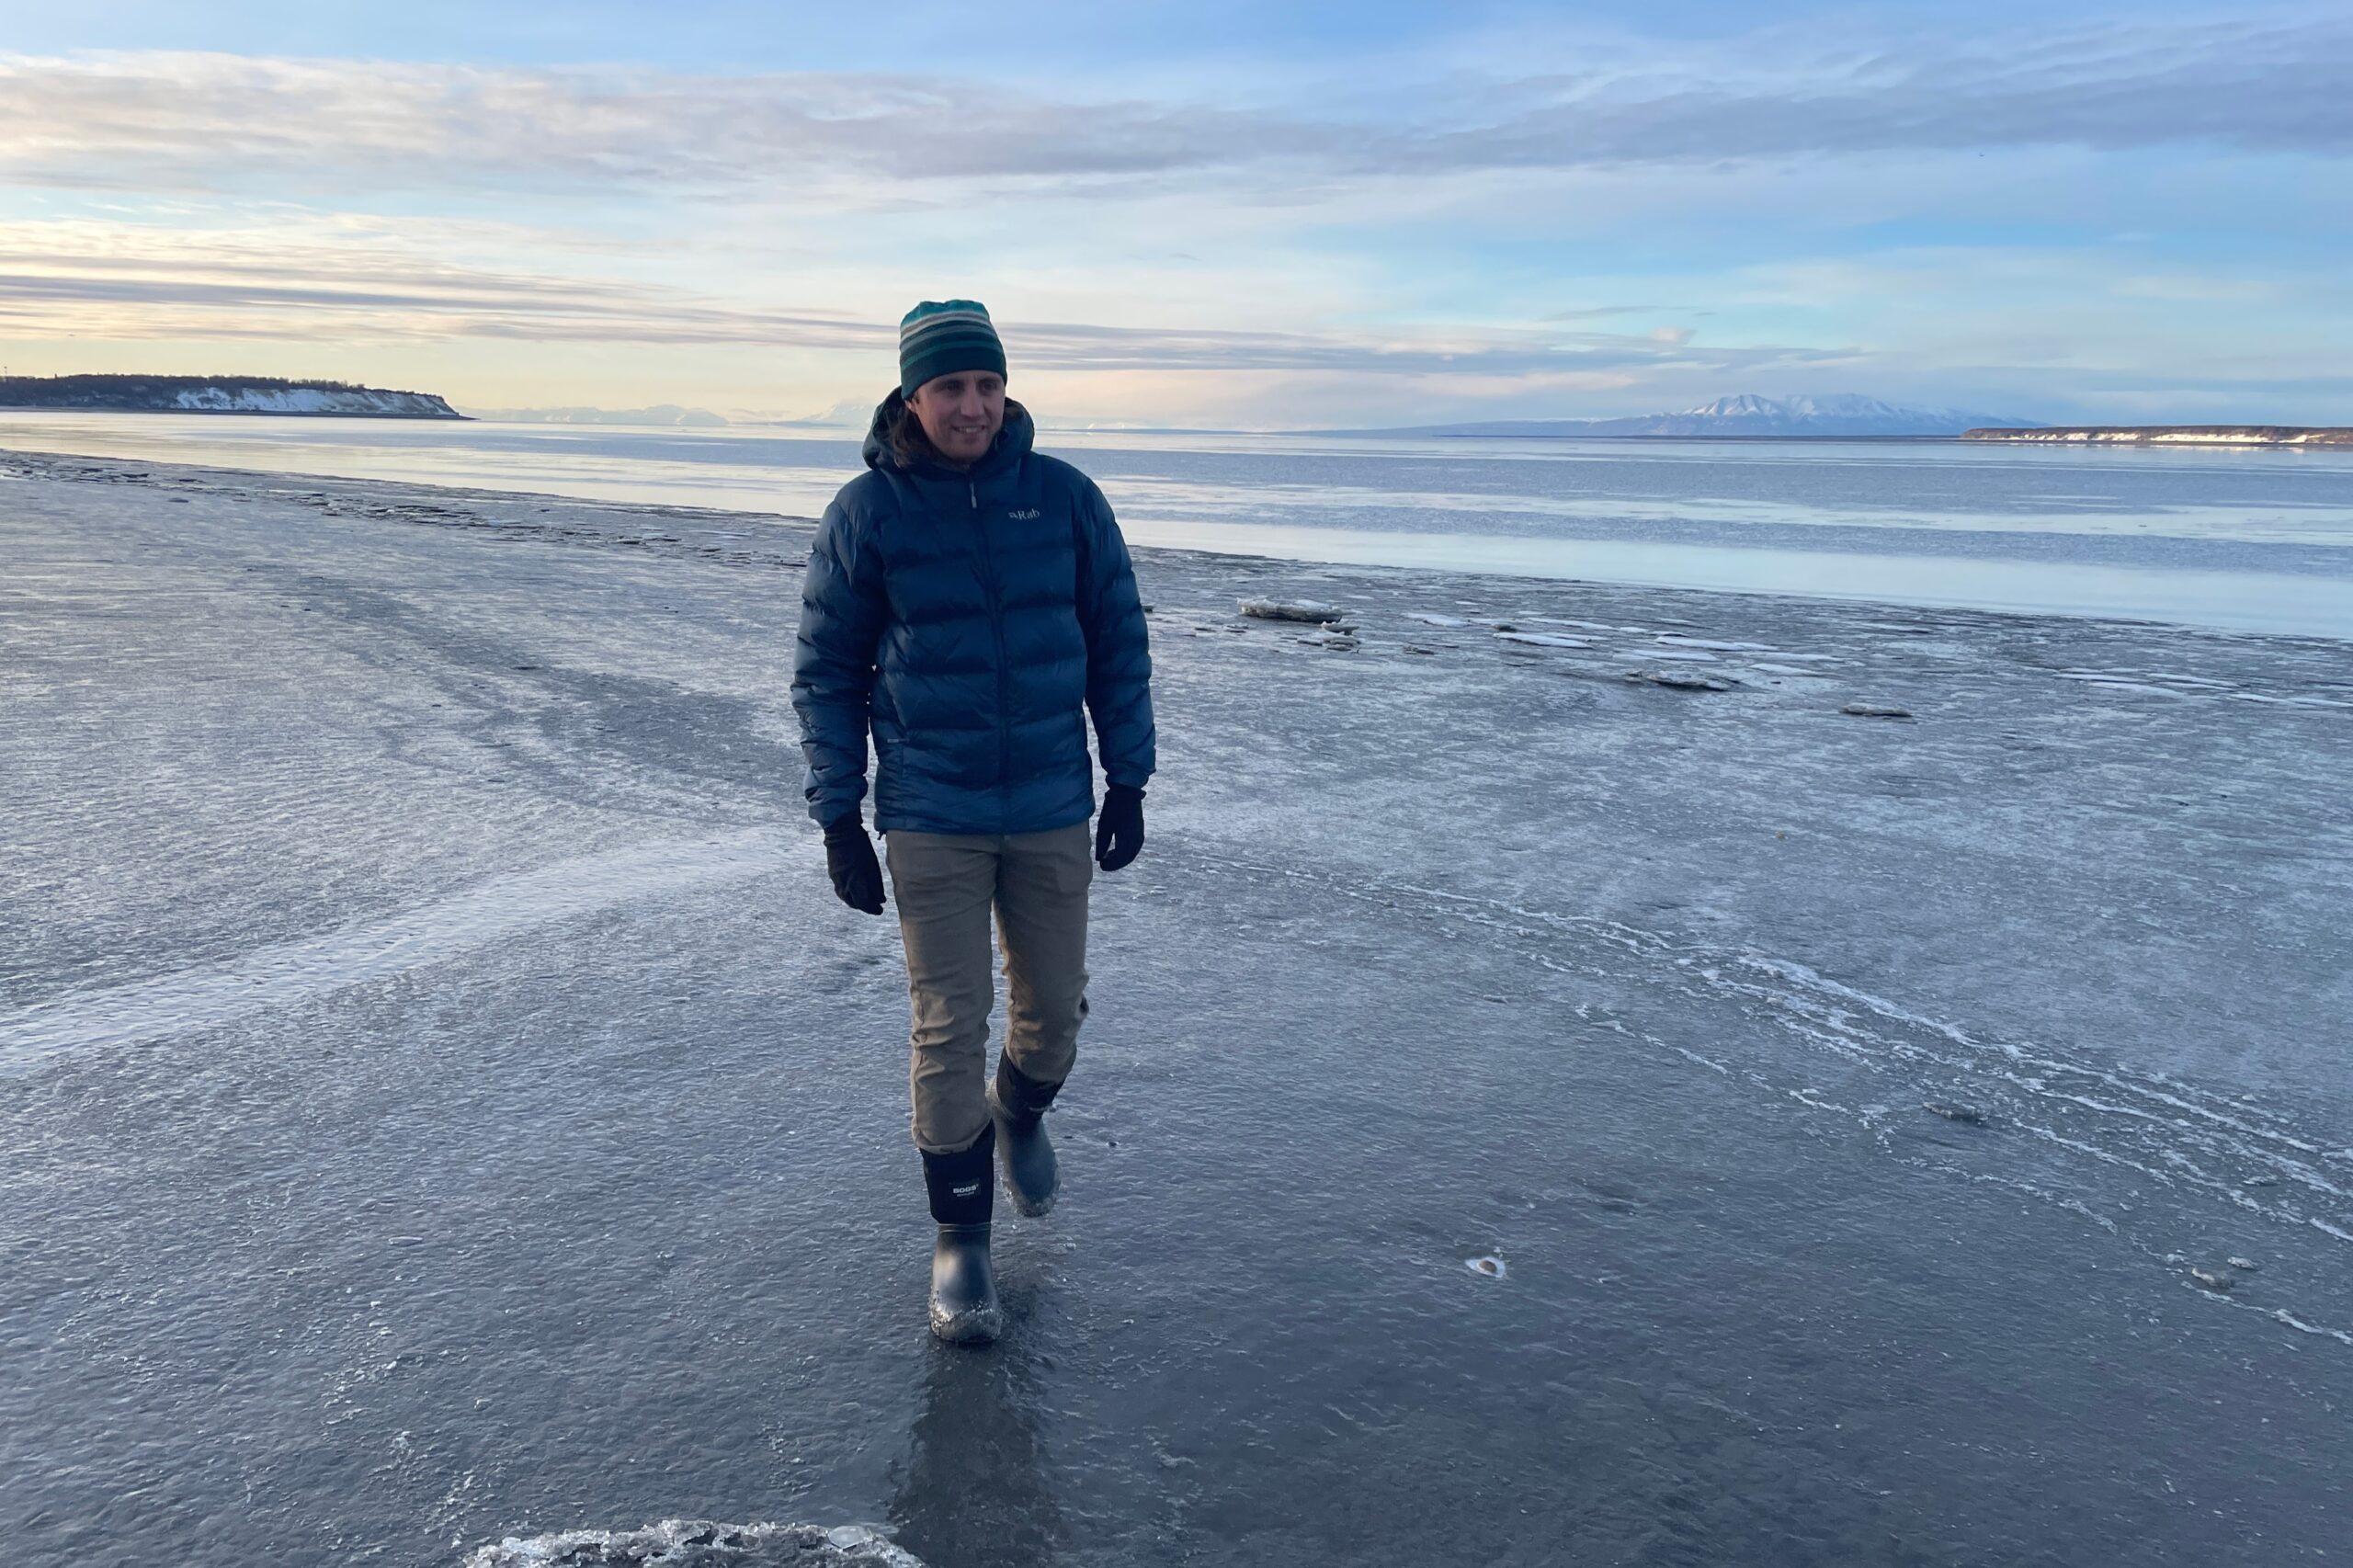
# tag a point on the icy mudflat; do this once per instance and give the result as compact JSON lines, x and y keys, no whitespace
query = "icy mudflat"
{"x":1530,"y":1112}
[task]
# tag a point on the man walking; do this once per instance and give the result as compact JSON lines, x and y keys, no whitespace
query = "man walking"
{"x":969,"y":603}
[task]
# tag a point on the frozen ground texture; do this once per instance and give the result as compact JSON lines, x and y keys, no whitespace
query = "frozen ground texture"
{"x":1528,"y":1115}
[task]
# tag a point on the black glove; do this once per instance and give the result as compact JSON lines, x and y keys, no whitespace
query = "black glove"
{"x":849,"y":860}
{"x":1118,"y":832}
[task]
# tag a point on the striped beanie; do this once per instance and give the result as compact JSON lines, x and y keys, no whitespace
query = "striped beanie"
{"x":943,"y":335}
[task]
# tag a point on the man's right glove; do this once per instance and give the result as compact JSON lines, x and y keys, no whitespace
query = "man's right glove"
{"x":849,"y":860}
{"x":1118,"y":832}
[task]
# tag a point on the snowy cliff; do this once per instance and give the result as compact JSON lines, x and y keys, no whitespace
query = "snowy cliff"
{"x":2179,"y":435}
{"x":217,"y":394}
{"x":313,"y":400}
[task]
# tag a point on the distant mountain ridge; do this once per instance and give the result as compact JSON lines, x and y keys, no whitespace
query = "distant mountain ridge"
{"x":217,"y":394}
{"x":662,"y":415}
{"x":1744,"y":415}
{"x":852,"y":416}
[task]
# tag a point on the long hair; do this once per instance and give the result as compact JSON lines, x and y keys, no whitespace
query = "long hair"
{"x":903,"y":434}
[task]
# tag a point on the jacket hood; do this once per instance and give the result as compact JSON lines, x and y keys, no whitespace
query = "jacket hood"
{"x":1012,"y":443}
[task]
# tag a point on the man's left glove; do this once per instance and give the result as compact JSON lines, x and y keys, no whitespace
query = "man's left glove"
{"x":849,"y":860}
{"x":1118,"y":832}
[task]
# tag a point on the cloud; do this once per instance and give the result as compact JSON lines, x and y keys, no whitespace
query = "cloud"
{"x":95,"y":281}
{"x":182,"y":121}
{"x":1222,"y":240}
{"x":2242,"y":83}
{"x":1595,"y":313}
{"x":123,"y":120}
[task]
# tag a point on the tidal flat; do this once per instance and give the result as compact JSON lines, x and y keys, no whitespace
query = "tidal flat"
{"x":1580,"y":1072}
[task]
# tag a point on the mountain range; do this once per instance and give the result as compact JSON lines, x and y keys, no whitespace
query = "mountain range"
{"x":851,"y":416}
{"x":665,"y":416}
{"x":1745,"y":415}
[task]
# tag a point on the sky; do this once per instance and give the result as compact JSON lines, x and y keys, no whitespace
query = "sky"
{"x":1214,"y":214}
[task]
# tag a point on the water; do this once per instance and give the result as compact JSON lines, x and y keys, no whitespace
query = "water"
{"x":2249,"y":539}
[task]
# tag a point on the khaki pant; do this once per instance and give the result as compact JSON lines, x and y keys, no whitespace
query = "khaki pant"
{"x":946,"y":885}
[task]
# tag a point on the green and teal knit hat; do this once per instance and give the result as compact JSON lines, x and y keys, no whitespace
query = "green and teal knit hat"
{"x":942,"y":335}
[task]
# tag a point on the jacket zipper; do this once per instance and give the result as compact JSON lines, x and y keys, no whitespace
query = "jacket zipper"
{"x":997,"y":627}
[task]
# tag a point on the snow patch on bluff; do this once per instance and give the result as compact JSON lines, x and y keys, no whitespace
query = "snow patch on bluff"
{"x":313,"y":400}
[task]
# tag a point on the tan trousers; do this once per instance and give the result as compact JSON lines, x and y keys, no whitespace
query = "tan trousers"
{"x":946,"y":885}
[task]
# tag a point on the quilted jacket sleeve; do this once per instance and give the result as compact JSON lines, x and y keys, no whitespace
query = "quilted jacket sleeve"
{"x":833,"y":663}
{"x":1119,"y":657}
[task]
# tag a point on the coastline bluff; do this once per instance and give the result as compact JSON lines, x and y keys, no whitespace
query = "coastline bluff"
{"x":217,"y":394}
{"x":2178,"y":435}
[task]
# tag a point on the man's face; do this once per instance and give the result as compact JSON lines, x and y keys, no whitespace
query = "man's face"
{"x":961,"y":412}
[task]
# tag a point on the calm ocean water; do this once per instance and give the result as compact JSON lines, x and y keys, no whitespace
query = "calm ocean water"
{"x":2250,"y":540}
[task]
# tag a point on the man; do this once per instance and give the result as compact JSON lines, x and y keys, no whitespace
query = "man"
{"x":969,"y":602}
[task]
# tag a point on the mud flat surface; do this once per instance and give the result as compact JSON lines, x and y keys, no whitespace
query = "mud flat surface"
{"x":1580,"y":1073}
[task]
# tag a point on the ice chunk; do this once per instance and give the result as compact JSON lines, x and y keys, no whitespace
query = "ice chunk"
{"x":1678,"y":640}
{"x":1876,"y":710}
{"x":2141,"y":686}
{"x":687,"y":1543}
{"x":1543,"y":639}
{"x":1688,"y":656}
{"x":1682,"y":680}
{"x":1430,"y":618}
{"x":1290,"y":609}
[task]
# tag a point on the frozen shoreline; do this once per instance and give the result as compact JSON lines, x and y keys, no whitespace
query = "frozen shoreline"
{"x":416,"y":901}
{"x":2174,"y":536}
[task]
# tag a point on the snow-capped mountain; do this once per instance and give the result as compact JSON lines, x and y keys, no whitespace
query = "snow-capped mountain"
{"x":1844,"y":414}
{"x":1745,"y":414}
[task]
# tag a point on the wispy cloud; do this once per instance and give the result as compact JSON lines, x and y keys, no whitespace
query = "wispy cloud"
{"x":134,"y":121}
{"x":231,"y":290}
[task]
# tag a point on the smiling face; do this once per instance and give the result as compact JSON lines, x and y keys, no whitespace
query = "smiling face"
{"x":961,"y":412}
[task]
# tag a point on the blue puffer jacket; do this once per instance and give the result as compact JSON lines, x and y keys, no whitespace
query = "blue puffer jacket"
{"x":971,"y":621}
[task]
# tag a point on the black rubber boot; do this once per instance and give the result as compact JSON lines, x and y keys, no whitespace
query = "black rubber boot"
{"x":1017,"y":1106}
{"x":964,"y":1308}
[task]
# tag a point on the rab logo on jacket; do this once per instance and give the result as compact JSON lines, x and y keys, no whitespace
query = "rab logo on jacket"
{"x":1024,"y":517}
